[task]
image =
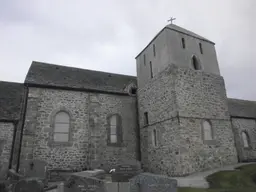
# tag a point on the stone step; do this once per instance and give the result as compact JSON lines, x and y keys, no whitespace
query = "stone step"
{"x":191,"y":182}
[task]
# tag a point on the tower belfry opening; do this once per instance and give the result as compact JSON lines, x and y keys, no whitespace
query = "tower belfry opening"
{"x":195,"y":63}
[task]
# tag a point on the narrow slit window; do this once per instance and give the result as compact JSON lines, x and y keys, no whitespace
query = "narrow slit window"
{"x":151,"y":70}
{"x":183,"y":43}
{"x":154,"y":138}
{"x":201,"y":48}
{"x":144,"y":59}
{"x":146,"y":118}
{"x":154,"y":50}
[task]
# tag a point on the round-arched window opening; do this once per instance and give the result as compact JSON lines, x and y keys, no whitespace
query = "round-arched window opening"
{"x":195,"y":63}
{"x":245,"y":139}
{"x":132,"y":90}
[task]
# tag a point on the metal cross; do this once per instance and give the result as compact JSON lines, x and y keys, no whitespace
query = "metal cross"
{"x":171,"y":19}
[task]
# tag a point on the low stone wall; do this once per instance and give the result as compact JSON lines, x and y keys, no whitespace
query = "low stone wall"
{"x":146,"y":182}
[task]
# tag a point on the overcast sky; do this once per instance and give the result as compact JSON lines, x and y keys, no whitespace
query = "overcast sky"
{"x":106,"y":35}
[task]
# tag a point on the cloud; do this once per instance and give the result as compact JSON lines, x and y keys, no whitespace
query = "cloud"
{"x":107,"y":35}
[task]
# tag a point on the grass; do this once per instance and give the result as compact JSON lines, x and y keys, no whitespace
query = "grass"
{"x":243,"y":179}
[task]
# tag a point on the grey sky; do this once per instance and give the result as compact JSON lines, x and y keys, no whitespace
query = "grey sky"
{"x":106,"y":35}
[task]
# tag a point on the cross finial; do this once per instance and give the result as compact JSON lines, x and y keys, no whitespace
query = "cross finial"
{"x":171,"y":19}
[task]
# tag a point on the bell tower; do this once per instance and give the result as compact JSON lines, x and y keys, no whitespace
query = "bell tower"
{"x":183,"y":111}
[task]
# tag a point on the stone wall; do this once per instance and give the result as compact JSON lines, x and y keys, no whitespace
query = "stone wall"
{"x":201,"y":94}
{"x":177,"y":101}
{"x":6,"y":137}
{"x":249,"y":126}
{"x":158,"y":98}
{"x":198,"y":155}
{"x":88,"y":113}
{"x":163,"y":158}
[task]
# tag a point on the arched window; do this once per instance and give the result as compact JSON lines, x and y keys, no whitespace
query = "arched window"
{"x":115,"y":129}
{"x":61,"y":127}
{"x":195,"y":63}
{"x":207,"y":131}
{"x":245,"y":139}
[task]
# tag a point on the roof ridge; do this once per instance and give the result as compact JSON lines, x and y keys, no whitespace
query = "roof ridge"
{"x":187,"y":32}
{"x":11,"y":82}
{"x":241,"y":99}
{"x":89,"y":70}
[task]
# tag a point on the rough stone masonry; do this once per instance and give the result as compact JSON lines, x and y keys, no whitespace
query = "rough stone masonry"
{"x":174,"y":116}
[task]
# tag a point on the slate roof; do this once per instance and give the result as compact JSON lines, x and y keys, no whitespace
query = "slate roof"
{"x":178,"y":29}
{"x":11,"y":96}
{"x":187,"y":32}
{"x":51,"y":75}
{"x":242,"y":108}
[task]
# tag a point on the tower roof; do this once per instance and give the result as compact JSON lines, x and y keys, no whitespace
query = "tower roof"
{"x":186,"y":32}
{"x":180,"y":30}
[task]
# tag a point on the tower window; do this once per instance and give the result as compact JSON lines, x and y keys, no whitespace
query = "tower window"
{"x":195,"y":63}
{"x":201,"y":48}
{"x":154,"y":137}
{"x":146,"y":118}
{"x":151,"y":70}
{"x":183,"y":43}
{"x":144,"y":58}
{"x":245,"y":139}
{"x":207,"y":131}
{"x":154,"y":50}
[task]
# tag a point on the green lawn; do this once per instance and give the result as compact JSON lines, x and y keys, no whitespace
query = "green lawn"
{"x":243,"y":179}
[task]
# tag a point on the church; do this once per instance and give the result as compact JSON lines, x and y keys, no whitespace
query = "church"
{"x":174,"y":117}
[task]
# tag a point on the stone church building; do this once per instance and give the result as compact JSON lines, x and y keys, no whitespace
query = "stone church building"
{"x":174,"y":116}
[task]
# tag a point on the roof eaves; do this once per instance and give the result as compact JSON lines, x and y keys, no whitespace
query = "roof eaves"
{"x":150,"y":42}
{"x":74,"y":89}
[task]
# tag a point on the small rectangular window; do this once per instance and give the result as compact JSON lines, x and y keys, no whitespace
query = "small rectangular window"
{"x":144,"y":58}
{"x":154,"y":50}
{"x":183,"y":43}
{"x":151,"y":70}
{"x":201,"y":48}
{"x":146,"y":118}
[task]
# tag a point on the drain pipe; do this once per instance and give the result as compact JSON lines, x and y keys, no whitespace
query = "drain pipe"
{"x":24,"y":111}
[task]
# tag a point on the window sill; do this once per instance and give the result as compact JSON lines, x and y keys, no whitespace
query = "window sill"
{"x":210,"y":142}
{"x":61,"y":144}
{"x":115,"y":145}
